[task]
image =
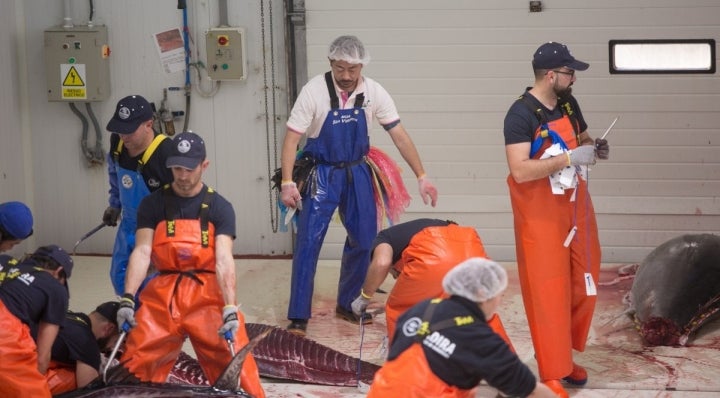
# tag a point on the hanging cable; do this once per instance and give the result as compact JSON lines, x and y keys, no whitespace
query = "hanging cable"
{"x":270,"y":135}
{"x":98,"y":155}
{"x":188,"y":91}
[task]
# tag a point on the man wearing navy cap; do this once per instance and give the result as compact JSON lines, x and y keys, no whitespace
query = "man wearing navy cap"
{"x":16,"y":224}
{"x":136,"y":167}
{"x":548,"y":150}
{"x":187,"y":229}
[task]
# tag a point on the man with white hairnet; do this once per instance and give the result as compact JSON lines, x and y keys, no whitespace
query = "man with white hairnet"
{"x":333,"y":112}
{"x":445,"y":348}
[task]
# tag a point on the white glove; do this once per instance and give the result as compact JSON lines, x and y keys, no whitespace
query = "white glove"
{"x":359,"y":305}
{"x":582,"y":155}
{"x":427,"y":189}
{"x":126,"y":311}
{"x":230,"y":322}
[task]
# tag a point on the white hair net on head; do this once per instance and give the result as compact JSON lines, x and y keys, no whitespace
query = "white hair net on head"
{"x":349,"y":49}
{"x":477,"y":279}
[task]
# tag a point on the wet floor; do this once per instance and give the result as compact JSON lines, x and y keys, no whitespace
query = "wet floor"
{"x":618,"y":364}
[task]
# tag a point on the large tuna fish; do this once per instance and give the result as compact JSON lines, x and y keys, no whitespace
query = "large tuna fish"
{"x":677,"y":289}
{"x":283,"y":355}
{"x":120,"y":383}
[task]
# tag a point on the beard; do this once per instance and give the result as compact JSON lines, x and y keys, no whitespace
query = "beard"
{"x":564,"y":93}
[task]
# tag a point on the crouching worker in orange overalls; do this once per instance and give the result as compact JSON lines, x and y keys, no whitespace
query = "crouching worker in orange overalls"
{"x":418,"y":253}
{"x":33,"y":294}
{"x":443,"y":347}
{"x":186,"y":229}
{"x":77,"y":348}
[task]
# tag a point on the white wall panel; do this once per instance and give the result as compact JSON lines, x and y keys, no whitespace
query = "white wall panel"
{"x":455,"y":67}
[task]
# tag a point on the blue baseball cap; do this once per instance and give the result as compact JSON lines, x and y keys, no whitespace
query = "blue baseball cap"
{"x":130,"y":113}
{"x":57,"y":254}
{"x":553,"y":55}
{"x":16,"y":220}
{"x":188,"y":151}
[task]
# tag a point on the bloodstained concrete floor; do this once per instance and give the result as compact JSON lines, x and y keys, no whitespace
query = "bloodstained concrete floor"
{"x":619,"y":366}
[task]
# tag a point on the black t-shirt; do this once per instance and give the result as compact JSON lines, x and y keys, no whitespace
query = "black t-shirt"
{"x":155,"y":172}
{"x":399,"y":236}
{"x":521,"y":122}
{"x":33,"y":295}
{"x":465,"y":354}
{"x":76,"y":342}
{"x":221,"y":213}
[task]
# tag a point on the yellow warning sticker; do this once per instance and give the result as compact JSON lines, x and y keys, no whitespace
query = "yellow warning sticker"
{"x":73,"y":81}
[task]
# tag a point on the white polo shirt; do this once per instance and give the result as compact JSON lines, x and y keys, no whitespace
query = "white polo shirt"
{"x":313,"y":104}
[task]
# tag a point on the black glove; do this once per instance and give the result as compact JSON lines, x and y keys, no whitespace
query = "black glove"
{"x":126,"y":311}
{"x":602,"y":148}
{"x":111,"y":216}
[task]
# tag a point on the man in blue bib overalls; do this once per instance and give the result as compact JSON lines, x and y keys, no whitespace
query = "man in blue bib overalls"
{"x":334,"y":111}
{"x":136,"y":167}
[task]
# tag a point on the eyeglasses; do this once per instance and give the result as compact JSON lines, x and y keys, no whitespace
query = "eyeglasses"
{"x":570,"y":73}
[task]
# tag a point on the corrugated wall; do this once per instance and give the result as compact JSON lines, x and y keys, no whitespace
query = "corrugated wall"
{"x":454,"y":67}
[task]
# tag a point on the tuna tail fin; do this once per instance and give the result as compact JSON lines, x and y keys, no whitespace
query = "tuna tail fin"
{"x":229,"y":380}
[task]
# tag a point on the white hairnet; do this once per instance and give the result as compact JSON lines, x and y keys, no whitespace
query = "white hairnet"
{"x":477,"y":279}
{"x":349,"y":49}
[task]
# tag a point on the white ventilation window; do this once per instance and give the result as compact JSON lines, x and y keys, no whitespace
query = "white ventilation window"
{"x":662,"y":56}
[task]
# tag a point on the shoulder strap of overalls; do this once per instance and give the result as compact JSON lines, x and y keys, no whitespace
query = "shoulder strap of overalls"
{"x":118,"y":149}
{"x":334,"y":100}
{"x":426,"y":328}
{"x":146,"y":156}
{"x":203,"y":215}
{"x":150,"y":150}
{"x":565,"y":108}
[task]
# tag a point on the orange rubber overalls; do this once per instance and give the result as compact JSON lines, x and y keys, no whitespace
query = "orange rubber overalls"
{"x":19,"y":375}
{"x":184,"y":299}
{"x":552,"y":277}
{"x":431,"y":253}
{"x":61,"y":378}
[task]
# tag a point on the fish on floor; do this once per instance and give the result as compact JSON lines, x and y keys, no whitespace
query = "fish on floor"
{"x":676,"y":289}
{"x":121,"y":383}
{"x":284,"y":355}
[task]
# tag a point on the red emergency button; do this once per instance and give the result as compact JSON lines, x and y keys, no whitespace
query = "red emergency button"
{"x":223,"y":40}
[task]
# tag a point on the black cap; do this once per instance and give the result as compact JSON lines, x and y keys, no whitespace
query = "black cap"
{"x":553,"y":55}
{"x":188,"y":151}
{"x":130,"y":113}
{"x":109,"y":311}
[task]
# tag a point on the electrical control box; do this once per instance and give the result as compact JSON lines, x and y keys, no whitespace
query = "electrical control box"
{"x":77,"y":66}
{"x":225,"y":49}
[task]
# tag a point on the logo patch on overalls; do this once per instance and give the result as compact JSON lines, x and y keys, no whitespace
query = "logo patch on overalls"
{"x":127,"y":181}
{"x":411,"y":326}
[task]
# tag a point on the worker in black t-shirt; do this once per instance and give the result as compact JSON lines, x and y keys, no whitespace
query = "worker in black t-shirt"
{"x":34,"y":293}
{"x":77,"y":348}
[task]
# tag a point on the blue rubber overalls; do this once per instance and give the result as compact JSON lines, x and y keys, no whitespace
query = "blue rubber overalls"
{"x":343,"y":183}
{"x":132,"y":189}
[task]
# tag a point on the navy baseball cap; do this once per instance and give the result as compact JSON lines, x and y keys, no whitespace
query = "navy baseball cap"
{"x":130,"y":113}
{"x":553,"y":55}
{"x":188,"y":151}
{"x":16,"y":220}
{"x":59,"y":255}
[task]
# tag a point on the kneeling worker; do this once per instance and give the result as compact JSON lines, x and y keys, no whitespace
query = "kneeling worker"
{"x":444,"y":347}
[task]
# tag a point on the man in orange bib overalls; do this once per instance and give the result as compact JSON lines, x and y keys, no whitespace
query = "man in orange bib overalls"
{"x":186,"y":230}
{"x":558,"y":251}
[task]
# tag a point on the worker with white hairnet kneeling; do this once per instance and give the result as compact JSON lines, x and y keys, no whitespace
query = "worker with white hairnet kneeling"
{"x":445,"y":348}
